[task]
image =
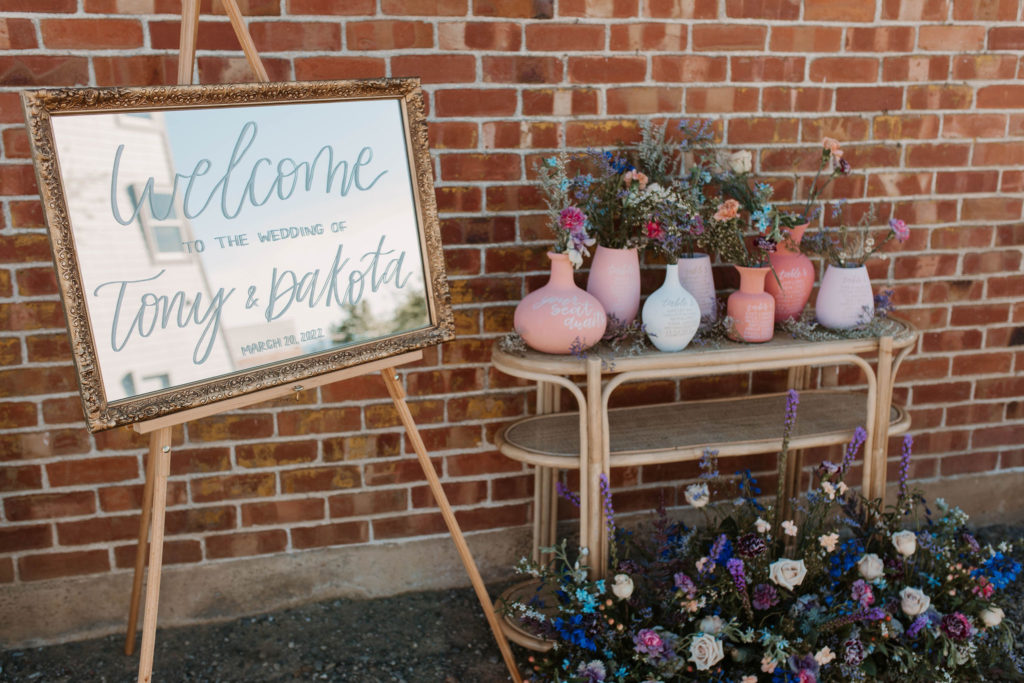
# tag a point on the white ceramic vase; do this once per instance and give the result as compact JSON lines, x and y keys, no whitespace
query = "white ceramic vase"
{"x":671,"y":314}
{"x":845,"y":298}
{"x":695,"y":276}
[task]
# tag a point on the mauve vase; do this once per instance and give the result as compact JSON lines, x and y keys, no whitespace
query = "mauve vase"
{"x":751,"y":308}
{"x":615,"y":281}
{"x":845,"y":298}
{"x":795,"y":274}
{"x":560,"y":317}
{"x":671,"y":315}
{"x":695,"y":276}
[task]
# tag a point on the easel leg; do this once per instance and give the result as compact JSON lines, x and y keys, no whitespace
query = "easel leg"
{"x":398,"y":397}
{"x":160,"y":453}
{"x":140,"y":552}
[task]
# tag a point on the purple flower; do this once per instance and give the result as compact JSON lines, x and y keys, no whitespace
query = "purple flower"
{"x":844,"y":166}
{"x":908,"y":444}
{"x":956,"y":626}
{"x":593,"y":671}
{"x":750,"y":545}
{"x":792,"y":401}
{"x":697,"y":227}
{"x":900,"y":229}
{"x":852,"y":448}
{"x":683,"y":583}
{"x":915,"y":628}
{"x":648,"y":642}
{"x":564,"y":492}
{"x":609,"y":511}
{"x":766,"y":245}
{"x":806,"y":668}
{"x":854,"y":652}
{"x":862,"y":593}
{"x":765,"y":596}
{"x":735,"y":567}
{"x":971,"y":542}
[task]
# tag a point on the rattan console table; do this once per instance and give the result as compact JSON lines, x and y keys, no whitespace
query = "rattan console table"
{"x":596,"y":438}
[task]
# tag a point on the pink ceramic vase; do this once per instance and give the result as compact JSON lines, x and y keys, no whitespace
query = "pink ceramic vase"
{"x":793,"y":280}
{"x":751,"y":308}
{"x":560,"y":317}
{"x":615,"y":281}
{"x":695,"y":277}
{"x":845,"y":299}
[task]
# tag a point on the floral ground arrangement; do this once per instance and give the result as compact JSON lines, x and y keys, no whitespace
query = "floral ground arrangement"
{"x":846,"y":590}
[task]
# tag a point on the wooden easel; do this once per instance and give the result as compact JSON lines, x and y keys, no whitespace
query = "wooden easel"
{"x":154,"y":497}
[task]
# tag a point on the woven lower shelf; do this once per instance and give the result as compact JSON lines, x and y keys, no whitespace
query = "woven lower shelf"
{"x":523,"y":592}
{"x":673,"y":432}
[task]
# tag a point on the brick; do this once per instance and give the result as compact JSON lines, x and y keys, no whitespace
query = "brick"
{"x":48,"y":348}
{"x":331,"y":67}
{"x":36,"y":282}
{"x":598,"y":8}
{"x":939,"y":96}
{"x":776,"y":10}
{"x":39,"y":6}
{"x":364,"y":503}
{"x":49,"y":506}
{"x":909,"y":10}
{"x":446,"y":381}
{"x":281,"y":36}
{"x":78,"y":34}
{"x":924,"y":266}
{"x":231,"y":427}
{"x":496,"y":102}
{"x":747,"y":131}
{"x":643,"y":100}
{"x":478,"y":230}
{"x":906,"y":127}
{"x":478,"y":464}
{"x":491,"y":35}
{"x":355,"y":389}
{"x":1001,"y":96}
{"x":22,"y":537}
{"x":599,"y":133}
{"x":899,"y":184}
{"x":519,"y":135}
{"x":56,"y":565}
{"x":804,"y":38}
{"x":200,"y":519}
{"x":233,"y":487}
{"x":199,"y":460}
{"x":362,"y":447}
{"x":27,"y":445}
{"x":1006,"y":38}
{"x":561,"y":102}
{"x":15,"y":141}
{"x":31,"y":315}
{"x":999,"y":387}
{"x":384,"y":415}
{"x":282,"y":512}
{"x":1005,"y":286}
{"x":402,"y":471}
{"x":176,"y":551}
{"x":721,"y":99}
{"x":246,"y":544}
{"x":951,"y":38}
{"x":330,"y":534}
{"x":966,"y":182}
{"x":715,"y":37}
{"x":98,"y":530}
{"x":17,"y":179}
{"x":514,"y":198}
{"x":320,"y":479}
{"x":985,"y":10}
{"x":135,"y":70}
{"x":983,"y":364}
{"x":945,"y":392}
{"x":14,"y":415}
{"x":29,"y":214}
{"x":93,"y":470}
{"x":6,"y":291}
{"x":985,"y":314}
{"x":20,"y":478}
{"x":761,"y":69}
{"x":480,"y":167}
{"x":520,"y":9}
{"x":984,"y":67}
{"x":429,"y":8}
{"x":459,"y":493}
{"x":484,"y":407}
{"x":648,"y":37}
{"x":318,"y":421}
{"x":275,"y":454}
{"x":915,"y":68}
{"x":681,"y":9}
{"x":517,"y":69}
{"x":951,"y":340}
{"x":354,"y":8}
{"x":434,"y":68}
{"x":1013,"y":181}
{"x":388,"y":35}
{"x":607,"y":69}
{"x":493,"y":517}
{"x":880,"y":39}
{"x":991,"y":209}
{"x":975,"y":126}
{"x":408,"y":525}
{"x":453,"y":135}
{"x":883,"y":98}
{"x":844,"y":70}
{"x":943,"y":154}
{"x":121,"y":498}
{"x":796,"y":99}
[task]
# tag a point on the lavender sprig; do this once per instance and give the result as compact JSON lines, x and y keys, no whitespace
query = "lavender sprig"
{"x":852,"y":448}
{"x":908,"y":444}
{"x":564,"y":492}
{"x":792,"y":401}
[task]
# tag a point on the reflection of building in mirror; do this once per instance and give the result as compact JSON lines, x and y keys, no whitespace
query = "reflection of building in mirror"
{"x":152,"y":249}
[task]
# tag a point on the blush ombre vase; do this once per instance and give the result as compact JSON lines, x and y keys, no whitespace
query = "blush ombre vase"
{"x":615,"y":281}
{"x":795,"y":274}
{"x":695,"y":276}
{"x":845,"y":298}
{"x":560,"y":317}
{"x":751,"y":308}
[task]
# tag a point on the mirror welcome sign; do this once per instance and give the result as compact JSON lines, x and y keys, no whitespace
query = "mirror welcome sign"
{"x":212,"y":241}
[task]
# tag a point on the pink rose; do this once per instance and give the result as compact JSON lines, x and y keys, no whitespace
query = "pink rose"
{"x":832,"y":145}
{"x":654,"y":231}
{"x":900,"y":229}
{"x":727,"y":210}
{"x":572,"y":218}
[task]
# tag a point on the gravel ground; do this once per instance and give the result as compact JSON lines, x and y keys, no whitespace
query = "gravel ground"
{"x":439,"y":636}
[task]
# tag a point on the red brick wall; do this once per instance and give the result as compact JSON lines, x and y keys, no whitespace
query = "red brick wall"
{"x":925,"y":94}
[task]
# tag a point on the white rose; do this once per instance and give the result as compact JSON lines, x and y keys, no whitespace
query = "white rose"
{"x":737,"y":162}
{"x":706,"y":651}
{"x":905,"y":542}
{"x":712,"y":625}
{"x":992,"y":616}
{"x":870,"y":567}
{"x":623,"y":586}
{"x":787,"y":573}
{"x":914,"y":602}
{"x":697,"y":495}
{"x":824,"y":656}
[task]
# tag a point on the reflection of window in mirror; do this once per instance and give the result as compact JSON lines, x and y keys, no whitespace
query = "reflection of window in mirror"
{"x":136,"y":119}
{"x":162,"y":228}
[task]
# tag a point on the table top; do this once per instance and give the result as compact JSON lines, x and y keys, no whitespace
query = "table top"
{"x":781,"y":347}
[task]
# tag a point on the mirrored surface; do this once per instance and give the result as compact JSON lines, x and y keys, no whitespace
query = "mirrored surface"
{"x":215,"y":240}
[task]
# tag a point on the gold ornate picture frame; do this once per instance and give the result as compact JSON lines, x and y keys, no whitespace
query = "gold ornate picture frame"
{"x":214,"y":241}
